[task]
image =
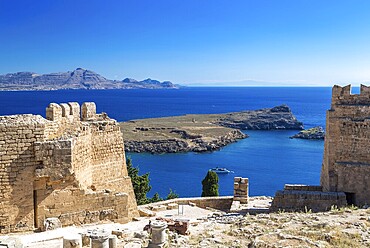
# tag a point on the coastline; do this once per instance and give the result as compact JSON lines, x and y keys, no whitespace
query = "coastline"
{"x":202,"y":132}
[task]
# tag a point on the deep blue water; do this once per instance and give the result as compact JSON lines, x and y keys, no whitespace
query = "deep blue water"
{"x":268,"y":158}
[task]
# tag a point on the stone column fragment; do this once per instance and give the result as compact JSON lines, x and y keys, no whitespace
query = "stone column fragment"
{"x":99,"y":239}
{"x":159,"y":236}
{"x":72,"y":241}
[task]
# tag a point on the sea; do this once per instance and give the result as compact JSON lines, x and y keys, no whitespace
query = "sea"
{"x":268,"y":158}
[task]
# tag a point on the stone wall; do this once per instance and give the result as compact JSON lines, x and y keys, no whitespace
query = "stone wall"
{"x":305,"y":198}
{"x":346,"y":163}
{"x":218,"y":202}
{"x":62,"y":167}
{"x":18,"y":134}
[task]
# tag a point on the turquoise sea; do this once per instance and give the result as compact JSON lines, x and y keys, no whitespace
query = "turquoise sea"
{"x":268,"y":158}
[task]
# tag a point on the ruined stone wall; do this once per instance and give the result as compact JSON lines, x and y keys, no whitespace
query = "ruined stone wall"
{"x":18,"y":134}
{"x":241,"y":189}
{"x":72,"y":205}
{"x":346,"y":163}
{"x":108,"y":154}
{"x":306,"y":198}
{"x":222,"y":203}
{"x":99,"y":161}
{"x":62,"y":167}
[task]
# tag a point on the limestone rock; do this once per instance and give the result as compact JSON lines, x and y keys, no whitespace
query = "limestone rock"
{"x":52,"y":224}
{"x":276,"y":118}
{"x":144,"y":212}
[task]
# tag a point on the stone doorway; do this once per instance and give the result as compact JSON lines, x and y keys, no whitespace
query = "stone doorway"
{"x":351,"y":198}
{"x":35,"y":212}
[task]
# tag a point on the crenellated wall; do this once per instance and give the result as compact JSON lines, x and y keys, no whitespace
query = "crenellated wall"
{"x":67,"y":166}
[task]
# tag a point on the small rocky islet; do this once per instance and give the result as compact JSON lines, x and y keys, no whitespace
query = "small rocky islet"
{"x":202,"y":132}
{"x":315,"y":133}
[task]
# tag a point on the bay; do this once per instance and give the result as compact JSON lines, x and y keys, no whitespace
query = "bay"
{"x":268,"y":158}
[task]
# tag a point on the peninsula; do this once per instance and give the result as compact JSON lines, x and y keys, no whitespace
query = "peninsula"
{"x":202,"y":132}
{"x":77,"y":79}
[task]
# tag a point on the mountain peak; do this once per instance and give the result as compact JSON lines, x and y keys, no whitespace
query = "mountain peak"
{"x":129,"y":80}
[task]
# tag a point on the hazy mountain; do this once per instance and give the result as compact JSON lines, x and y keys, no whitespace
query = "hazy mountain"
{"x":77,"y":79}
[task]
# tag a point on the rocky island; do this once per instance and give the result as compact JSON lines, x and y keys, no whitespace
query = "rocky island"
{"x":202,"y":132}
{"x":77,"y":79}
{"x":315,"y":133}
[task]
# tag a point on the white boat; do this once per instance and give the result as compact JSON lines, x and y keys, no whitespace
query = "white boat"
{"x":220,"y":170}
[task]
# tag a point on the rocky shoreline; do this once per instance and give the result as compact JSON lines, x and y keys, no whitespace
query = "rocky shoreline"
{"x":203,"y":132}
{"x":180,"y":145}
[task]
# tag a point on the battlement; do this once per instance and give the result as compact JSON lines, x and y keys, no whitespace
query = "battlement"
{"x":343,"y":96}
{"x":72,"y":111}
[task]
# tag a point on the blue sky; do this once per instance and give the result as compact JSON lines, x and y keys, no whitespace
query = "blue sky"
{"x":193,"y":42}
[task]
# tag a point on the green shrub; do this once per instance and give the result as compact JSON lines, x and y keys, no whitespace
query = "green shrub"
{"x":210,"y":184}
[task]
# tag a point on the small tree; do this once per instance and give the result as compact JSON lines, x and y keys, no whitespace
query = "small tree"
{"x":156,"y":198}
{"x":142,"y":187}
{"x":140,"y":183}
{"x":172,"y":195}
{"x":210,"y":184}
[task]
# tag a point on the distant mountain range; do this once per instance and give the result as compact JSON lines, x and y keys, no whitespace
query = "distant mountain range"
{"x":77,"y":79}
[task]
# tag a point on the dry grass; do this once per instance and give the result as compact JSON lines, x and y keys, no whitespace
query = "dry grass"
{"x":339,"y":228}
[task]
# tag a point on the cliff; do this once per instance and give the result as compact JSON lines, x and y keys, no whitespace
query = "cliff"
{"x":77,"y":79}
{"x":202,"y":132}
{"x":279,"y":117}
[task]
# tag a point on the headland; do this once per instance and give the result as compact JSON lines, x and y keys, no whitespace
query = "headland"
{"x":202,"y":132}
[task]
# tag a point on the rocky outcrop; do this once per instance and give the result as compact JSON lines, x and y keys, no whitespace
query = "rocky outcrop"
{"x":157,"y":146}
{"x":202,"y":133}
{"x":77,"y":79}
{"x":185,"y":143}
{"x":279,"y":117}
{"x":315,"y":133}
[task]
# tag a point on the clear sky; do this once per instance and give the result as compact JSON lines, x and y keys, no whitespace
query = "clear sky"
{"x":193,"y":42}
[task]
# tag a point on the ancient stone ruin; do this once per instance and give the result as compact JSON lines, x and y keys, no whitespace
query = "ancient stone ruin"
{"x":69,"y":166}
{"x":346,"y":164}
{"x":241,"y":189}
{"x":345,"y":173}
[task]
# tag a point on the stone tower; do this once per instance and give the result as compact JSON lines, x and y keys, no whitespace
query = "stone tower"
{"x":346,"y":163}
{"x":69,"y":166}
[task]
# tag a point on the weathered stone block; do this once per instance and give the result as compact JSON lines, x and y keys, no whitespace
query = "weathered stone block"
{"x":53,"y":112}
{"x":75,"y":110}
{"x":66,"y":110}
{"x":88,"y":110}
